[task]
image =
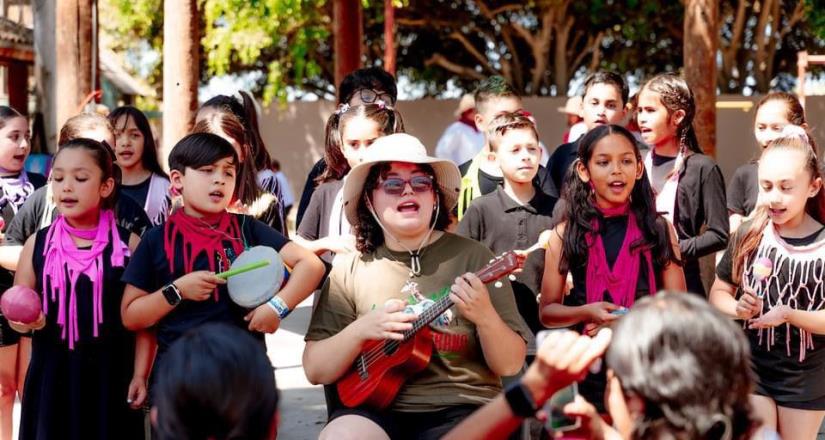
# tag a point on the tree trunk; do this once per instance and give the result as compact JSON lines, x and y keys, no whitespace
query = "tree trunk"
{"x":181,"y":73}
{"x":389,"y":37}
{"x":348,"y":35}
{"x":701,"y":40}
{"x":73,"y":75}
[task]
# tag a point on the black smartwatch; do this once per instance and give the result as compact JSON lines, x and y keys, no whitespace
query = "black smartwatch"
{"x":520,"y":400}
{"x":172,"y":294}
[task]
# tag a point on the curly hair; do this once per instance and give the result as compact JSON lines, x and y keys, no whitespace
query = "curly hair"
{"x":368,"y":233}
{"x":663,"y":352}
{"x":581,"y":209}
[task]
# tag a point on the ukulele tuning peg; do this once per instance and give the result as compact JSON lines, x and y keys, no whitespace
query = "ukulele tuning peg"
{"x":498,"y":284}
{"x":492,"y":259}
{"x":511,"y":277}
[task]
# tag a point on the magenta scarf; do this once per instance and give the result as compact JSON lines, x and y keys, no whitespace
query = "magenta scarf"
{"x":64,"y":258}
{"x":621,"y":280}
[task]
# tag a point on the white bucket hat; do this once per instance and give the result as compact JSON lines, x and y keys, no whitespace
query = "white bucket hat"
{"x":573,"y":106}
{"x":399,"y":147}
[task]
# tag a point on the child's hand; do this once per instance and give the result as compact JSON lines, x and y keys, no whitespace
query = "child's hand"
{"x":749,"y":304}
{"x":137,"y":392}
{"x":198,"y":286}
{"x":599,"y":312}
{"x":25,"y":328}
{"x":778,"y":315}
{"x":263,"y":319}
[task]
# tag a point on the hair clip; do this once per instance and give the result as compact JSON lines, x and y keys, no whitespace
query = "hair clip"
{"x":343,"y":108}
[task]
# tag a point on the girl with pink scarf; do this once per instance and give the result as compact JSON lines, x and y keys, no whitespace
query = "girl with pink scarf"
{"x":611,"y":240}
{"x":83,"y":359}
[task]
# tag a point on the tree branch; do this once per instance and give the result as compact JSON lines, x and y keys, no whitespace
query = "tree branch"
{"x":441,"y":61}
{"x":485,"y":63}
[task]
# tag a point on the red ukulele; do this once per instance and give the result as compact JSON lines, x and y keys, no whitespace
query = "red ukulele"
{"x":383,"y":366}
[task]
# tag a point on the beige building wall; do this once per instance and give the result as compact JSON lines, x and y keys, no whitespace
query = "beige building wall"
{"x":295,"y":135}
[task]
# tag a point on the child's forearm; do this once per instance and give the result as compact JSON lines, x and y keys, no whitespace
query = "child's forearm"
{"x":145,"y":311}
{"x":146,"y":345}
{"x":559,"y":315}
{"x":813,"y":322}
{"x":304,"y":279}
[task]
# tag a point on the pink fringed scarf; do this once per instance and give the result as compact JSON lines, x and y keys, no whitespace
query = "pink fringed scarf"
{"x":198,"y":237}
{"x":64,"y":258}
{"x":622,"y":279}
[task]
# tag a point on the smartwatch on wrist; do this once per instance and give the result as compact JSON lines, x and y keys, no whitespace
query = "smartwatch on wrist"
{"x":172,"y":294}
{"x":520,"y":400}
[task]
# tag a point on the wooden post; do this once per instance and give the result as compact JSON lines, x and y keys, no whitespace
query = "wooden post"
{"x":700,"y":44}
{"x":801,"y":69}
{"x":348,"y":34}
{"x":73,"y":76}
{"x":389,"y":37}
{"x":181,"y":72}
{"x":18,"y":85}
{"x":45,"y":68}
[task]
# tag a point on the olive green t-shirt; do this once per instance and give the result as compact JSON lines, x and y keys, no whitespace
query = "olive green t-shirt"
{"x":457,"y":373}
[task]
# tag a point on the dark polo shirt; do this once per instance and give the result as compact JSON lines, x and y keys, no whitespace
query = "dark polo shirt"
{"x":502,"y":224}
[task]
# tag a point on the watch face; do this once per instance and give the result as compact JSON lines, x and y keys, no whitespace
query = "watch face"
{"x":171,"y":294}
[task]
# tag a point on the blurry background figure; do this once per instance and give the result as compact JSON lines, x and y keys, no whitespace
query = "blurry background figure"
{"x":288,"y":198}
{"x":462,"y":140}
{"x":575,"y":123}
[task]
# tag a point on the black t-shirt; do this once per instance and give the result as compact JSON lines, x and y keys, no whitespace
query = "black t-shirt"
{"x":37,"y":180}
{"x":148,"y":270}
{"x":744,"y":189}
{"x":138,"y":192}
{"x":309,"y":188}
{"x":488,"y":183}
{"x":502,"y":224}
{"x":128,"y":214}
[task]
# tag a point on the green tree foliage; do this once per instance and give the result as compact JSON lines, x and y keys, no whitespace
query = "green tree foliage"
{"x":539,"y":45}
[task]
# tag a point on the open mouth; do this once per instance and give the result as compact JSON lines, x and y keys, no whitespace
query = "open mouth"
{"x":68,"y":202}
{"x":617,"y":187}
{"x":216,"y":196}
{"x":126,"y":154}
{"x":408,"y":207}
{"x":776,"y":212}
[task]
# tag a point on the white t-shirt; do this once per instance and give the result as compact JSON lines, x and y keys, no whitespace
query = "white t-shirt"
{"x":459,"y":143}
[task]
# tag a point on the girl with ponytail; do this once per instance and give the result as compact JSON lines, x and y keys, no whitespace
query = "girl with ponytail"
{"x":611,"y":239}
{"x":771,"y":277}
{"x":688,"y":185}
{"x":259,"y":192}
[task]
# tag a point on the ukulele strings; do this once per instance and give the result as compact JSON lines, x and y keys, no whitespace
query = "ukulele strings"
{"x":376,"y":353}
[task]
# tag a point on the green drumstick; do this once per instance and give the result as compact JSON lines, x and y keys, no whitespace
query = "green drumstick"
{"x":243,"y":269}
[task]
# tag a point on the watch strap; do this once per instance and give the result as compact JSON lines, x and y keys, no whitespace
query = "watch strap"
{"x":520,"y":400}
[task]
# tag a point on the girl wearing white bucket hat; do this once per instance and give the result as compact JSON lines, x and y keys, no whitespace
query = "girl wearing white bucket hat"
{"x":399,"y":201}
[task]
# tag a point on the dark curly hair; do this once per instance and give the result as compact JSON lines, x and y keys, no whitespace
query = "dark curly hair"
{"x":663,"y":352}
{"x":580,"y":210}
{"x":368,"y":234}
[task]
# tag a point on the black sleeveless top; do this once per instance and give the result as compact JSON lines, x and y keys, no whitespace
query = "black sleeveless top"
{"x":81,"y":393}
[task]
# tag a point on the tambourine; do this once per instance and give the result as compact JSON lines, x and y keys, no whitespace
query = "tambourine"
{"x":255,"y":276}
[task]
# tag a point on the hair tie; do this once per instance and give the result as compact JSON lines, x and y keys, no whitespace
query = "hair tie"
{"x":343,"y":108}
